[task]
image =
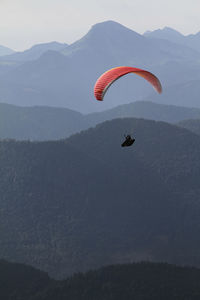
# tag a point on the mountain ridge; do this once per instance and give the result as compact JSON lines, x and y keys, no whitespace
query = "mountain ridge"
{"x":110,"y":283}
{"x":49,"y":123}
{"x":34,"y":52}
{"x":190,"y":40}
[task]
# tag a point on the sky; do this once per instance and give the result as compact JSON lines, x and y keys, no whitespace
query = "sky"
{"x":24,"y":23}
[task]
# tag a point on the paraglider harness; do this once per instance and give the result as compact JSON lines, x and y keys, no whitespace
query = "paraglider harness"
{"x":128,"y":141}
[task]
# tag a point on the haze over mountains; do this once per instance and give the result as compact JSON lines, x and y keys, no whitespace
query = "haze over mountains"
{"x":50,"y":123}
{"x":66,"y":77}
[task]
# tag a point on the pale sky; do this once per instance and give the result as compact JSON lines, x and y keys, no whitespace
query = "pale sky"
{"x":27,"y":22}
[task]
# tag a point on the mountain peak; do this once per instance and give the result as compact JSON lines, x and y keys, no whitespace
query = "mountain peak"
{"x":111,"y":26}
{"x":171,"y":31}
{"x":163,"y":33}
{"x":109,"y":33}
{"x":49,"y":46}
{"x":107,"y":23}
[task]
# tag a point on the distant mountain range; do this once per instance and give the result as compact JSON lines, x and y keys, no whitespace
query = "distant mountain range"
{"x":50,"y":123}
{"x":66,"y":77}
{"x":34,"y":52}
{"x":39,"y":123}
{"x":5,"y":51}
{"x":185,"y":94}
{"x":146,"y":110}
{"x":131,"y":281}
{"x":76,"y":204}
{"x":167,"y":33}
{"x":9,"y":60}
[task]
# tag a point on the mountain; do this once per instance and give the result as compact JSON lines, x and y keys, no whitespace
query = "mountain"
{"x":121,"y":44}
{"x":131,"y":281}
{"x":66,"y":78}
{"x":5,"y":66}
{"x":134,"y":281}
{"x":39,"y":123}
{"x":167,"y":33}
{"x":191,"y":40}
{"x":19,"y":281}
{"x":81,"y":203}
{"x":181,"y":94}
{"x":146,"y":110}
{"x":5,"y":50}
{"x":34,"y":52}
{"x":193,"y":125}
{"x":50,"y":123}
{"x":11,"y":60}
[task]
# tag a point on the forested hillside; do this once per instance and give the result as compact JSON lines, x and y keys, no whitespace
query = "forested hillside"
{"x":193,"y":125}
{"x":80,"y":203}
{"x":21,"y":282}
{"x":148,"y":281}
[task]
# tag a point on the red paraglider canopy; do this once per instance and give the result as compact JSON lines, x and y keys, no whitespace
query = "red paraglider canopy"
{"x":107,"y":78}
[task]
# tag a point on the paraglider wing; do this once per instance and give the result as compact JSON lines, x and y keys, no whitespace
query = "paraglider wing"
{"x":107,"y":78}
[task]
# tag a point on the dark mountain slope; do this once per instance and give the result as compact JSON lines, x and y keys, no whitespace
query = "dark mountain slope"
{"x":19,"y":281}
{"x":135,"y":281}
{"x":192,"y":125}
{"x":148,"y":281}
{"x":85,"y":202}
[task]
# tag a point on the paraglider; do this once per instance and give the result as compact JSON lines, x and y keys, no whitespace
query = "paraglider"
{"x":128,"y":141}
{"x":106,"y":80}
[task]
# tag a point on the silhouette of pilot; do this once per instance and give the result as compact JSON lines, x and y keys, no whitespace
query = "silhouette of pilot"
{"x":128,"y":141}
